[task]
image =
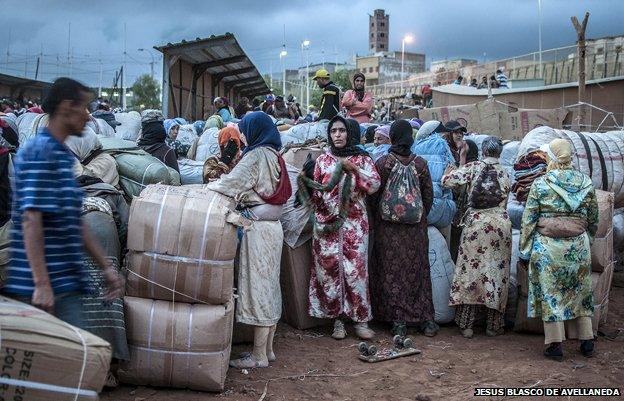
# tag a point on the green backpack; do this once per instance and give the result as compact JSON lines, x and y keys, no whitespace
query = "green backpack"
{"x":401,"y":200}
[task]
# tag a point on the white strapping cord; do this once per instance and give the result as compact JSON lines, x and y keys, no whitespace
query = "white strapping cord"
{"x":157,"y":234}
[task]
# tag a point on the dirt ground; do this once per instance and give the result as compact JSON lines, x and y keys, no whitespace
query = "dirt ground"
{"x":313,"y":366}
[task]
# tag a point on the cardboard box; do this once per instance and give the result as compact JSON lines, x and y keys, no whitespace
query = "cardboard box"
{"x":190,"y":221}
{"x":179,"y":279}
{"x":602,"y":252}
{"x":297,"y":156}
{"x":47,"y":356}
{"x":601,"y":286}
{"x":295,"y":281}
{"x":177,"y":344}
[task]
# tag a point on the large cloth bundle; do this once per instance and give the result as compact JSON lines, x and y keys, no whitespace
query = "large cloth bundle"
{"x":191,"y":171}
{"x":207,"y":145}
{"x":599,"y":155}
{"x":28,"y":124}
{"x":130,"y":125}
{"x":436,"y":151}
{"x":101,"y":127}
{"x":442,"y":272}
{"x":102,"y":166}
{"x":301,"y":133}
{"x":508,"y":158}
{"x":82,"y":146}
{"x":296,"y":156}
{"x":46,"y":359}
{"x":177,"y":344}
{"x":182,"y":244}
{"x":137,"y":168}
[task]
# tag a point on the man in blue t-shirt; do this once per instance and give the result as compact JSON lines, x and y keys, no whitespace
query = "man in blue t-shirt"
{"x":48,"y":238}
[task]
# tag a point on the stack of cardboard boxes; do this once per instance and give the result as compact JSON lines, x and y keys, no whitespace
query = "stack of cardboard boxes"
{"x":179,"y":308}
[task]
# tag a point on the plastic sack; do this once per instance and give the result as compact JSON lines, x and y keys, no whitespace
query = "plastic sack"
{"x":130,"y":125}
{"x":442,"y":272}
{"x":191,"y":171}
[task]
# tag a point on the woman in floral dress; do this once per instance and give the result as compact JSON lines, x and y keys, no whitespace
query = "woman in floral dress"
{"x":400,"y":273}
{"x":339,"y":279}
{"x":482,"y":269}
{"x":559,"y":263}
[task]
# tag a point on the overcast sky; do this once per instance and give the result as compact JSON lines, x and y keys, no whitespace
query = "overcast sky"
{"x":337,"y":30}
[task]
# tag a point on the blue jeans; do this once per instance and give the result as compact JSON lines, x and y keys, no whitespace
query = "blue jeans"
{"x":67,"y":307}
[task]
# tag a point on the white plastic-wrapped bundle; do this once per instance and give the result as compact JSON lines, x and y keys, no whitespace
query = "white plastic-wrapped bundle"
{"x":29,"y":124}
{"x":301,"y":133}
{"x":186,"y":135}
{"x":208,"y":145}
{"x":101,"y":127}
{"x":599,"y":155}
{"x":130,"y":125}
{"x":191,"y":171}
{"x":442,"y":272}
{"x":82,"y":146}
{"x":508,"y":158}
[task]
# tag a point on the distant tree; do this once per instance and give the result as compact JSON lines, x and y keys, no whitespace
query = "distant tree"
{"x":146,"y":93}
{"x":341,"y":78}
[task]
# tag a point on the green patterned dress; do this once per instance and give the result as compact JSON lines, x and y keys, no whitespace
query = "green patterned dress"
{"x":559,"y":286}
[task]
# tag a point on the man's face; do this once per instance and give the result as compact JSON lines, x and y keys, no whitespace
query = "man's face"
{"x":358,"y":83}
{"x":322,"y":82}
{"x":74,"y":114}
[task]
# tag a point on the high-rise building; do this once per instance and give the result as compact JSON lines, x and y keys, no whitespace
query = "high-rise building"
{"x":379,"y":31}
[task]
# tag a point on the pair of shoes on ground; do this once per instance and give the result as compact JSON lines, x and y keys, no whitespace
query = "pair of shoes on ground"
{"x":555,"y":351}
{"x":361,"y":330}
{"x":469,"y":333}
{"x":428,"y":328}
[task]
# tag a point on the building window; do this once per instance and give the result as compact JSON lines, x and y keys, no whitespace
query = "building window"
{"x":370,"y":69}
{"x":372,"y":24}
{"x":372,"y":35}
{"x":372,"y":46}
{"x":377,"y":69}
{"x":381,"y":46}
{"x":383,"y":24}
{"x":382,"y":34}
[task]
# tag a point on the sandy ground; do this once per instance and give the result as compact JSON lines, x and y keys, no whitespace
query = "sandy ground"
{"x":313,"y":366}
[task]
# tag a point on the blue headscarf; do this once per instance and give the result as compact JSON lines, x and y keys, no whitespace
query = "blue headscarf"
{"x":170,"y":123}
{"x":259,"y":130}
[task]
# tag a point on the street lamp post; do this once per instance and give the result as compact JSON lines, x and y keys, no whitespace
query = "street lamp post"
{"x":283,"y":54}
{"x":151,"y":63}
{"x":406,"y":39}
{"x":305,"y":45}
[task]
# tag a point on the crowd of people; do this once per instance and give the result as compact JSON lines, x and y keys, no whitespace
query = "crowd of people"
{"x":499,"y":80}
{"x":371,"y":196}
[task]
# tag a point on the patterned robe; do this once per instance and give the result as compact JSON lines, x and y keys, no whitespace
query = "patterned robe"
{"x":339,"y":280}
{"x":400,"y":272}
{"x":559,"y":269}
{"x":482,"y":268}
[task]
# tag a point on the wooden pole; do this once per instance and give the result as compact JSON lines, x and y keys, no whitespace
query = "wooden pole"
{"x":580,"y":33}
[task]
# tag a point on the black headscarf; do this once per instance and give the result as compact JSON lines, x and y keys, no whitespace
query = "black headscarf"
{"x":353,"y":138}
{"x":359,"y":92}
{"x":401,"y":138}
{"x":153,"y":132}
{"x":370,"y":134}
{"x":473,"y":151}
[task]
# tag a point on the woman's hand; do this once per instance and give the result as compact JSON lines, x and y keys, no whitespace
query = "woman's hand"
{"x":347,"y":166}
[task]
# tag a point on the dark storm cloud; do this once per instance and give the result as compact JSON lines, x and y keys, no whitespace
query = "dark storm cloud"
{"x":338,"y":30}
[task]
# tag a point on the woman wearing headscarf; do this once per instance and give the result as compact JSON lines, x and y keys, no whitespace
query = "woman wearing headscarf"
{"x":559,"y":222}
{"x":400,"y":277}
{"x":482,"y":269}
{"x":214,"y":121}
{"x":223,"y":109}
{"x":358,"y":102}
{"x":382,"y":135}
{"x":152,"y":140}
{"x":342,"y":179}
{"x":229,"y":153}
{"x":260,"y":185}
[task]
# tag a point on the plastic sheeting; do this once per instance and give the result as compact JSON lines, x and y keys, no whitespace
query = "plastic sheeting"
{"x":508,"y":158}
{"x":436,"y":151}
{"x":515,"y":210}
{"x":130,"y":125}
{"x":191,"y":171}
{"x":599,"y":155}
{"x":208,"y":145}
{"x":442,"y":272}
{"x":101,"y":127}
{"x":29,"y":124}
{"x":301,"y":133}
{"x":82,"y":146}
{"x":512,"y":299}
